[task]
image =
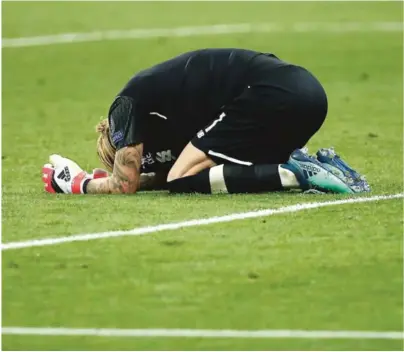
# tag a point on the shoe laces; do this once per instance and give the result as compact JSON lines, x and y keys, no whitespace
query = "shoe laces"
{"x":313,"y":158}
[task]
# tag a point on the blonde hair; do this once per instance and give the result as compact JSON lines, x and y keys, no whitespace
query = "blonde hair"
{"x":105,"y":148}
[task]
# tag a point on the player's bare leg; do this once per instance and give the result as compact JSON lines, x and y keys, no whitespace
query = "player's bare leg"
{"x":190,"y":162}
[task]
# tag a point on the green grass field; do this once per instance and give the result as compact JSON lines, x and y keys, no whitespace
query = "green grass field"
{"x":333,"y":268}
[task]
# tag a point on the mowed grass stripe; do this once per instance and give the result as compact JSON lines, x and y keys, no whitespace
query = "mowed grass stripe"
{"x":196,"y":222}
{"x":337,"y":27}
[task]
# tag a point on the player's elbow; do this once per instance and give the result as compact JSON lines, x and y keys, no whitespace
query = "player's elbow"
{"x":130,"y":187}
{"x":123,"y":185}
{"x":131,"y":191}
{"x":128,"y":191}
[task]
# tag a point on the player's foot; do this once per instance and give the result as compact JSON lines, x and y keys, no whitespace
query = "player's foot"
{"x":339,"y":168}
{"x":313,"y":175}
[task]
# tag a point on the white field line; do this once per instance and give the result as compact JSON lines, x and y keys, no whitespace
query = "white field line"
{"x":326,"y":27}
{"x":191,"y":223}
{"x":299,"y":334}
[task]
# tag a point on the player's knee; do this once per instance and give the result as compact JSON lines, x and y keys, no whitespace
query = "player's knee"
{"x":173,"y":175}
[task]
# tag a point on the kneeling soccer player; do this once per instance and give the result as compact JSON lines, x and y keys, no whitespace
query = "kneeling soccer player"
{"x":208,"y":121}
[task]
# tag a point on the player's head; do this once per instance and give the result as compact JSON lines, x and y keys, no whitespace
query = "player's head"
{"x":105,"y":149}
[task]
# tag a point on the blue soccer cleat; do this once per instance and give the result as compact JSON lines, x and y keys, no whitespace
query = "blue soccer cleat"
{"x":338,"y":167}
{"x":314,"y":176}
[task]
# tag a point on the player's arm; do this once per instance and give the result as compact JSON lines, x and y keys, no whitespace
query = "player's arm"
{"x":63,"y":175}
{"x":126,"y":173}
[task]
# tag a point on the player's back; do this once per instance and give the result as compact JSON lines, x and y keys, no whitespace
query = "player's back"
{"x":191,"y":88}
{"x":165,"y":106}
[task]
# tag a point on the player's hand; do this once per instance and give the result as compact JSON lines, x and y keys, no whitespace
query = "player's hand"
{"x":63,"y":175}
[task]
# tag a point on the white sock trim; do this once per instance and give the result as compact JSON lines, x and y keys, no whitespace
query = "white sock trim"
{"x":216,"y":179}
{"x":288,"y":178}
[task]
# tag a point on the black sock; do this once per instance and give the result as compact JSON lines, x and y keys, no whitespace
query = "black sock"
{"x":230,"y":179}
{"x":198,"y":183}
{"x":252,"y":179}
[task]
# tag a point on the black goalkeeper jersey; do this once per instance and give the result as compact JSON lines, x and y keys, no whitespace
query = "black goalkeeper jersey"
{"x":165,"y":106}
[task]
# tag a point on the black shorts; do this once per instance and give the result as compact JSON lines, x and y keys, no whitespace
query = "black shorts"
{"x":267,"y":121}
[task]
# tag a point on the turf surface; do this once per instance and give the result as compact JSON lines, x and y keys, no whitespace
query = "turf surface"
{"x":337,"y":268}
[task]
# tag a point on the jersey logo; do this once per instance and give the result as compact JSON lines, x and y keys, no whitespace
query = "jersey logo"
{"x":147,"y":159}
{"x":117,"y":137}
{"x":165,"y":156}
